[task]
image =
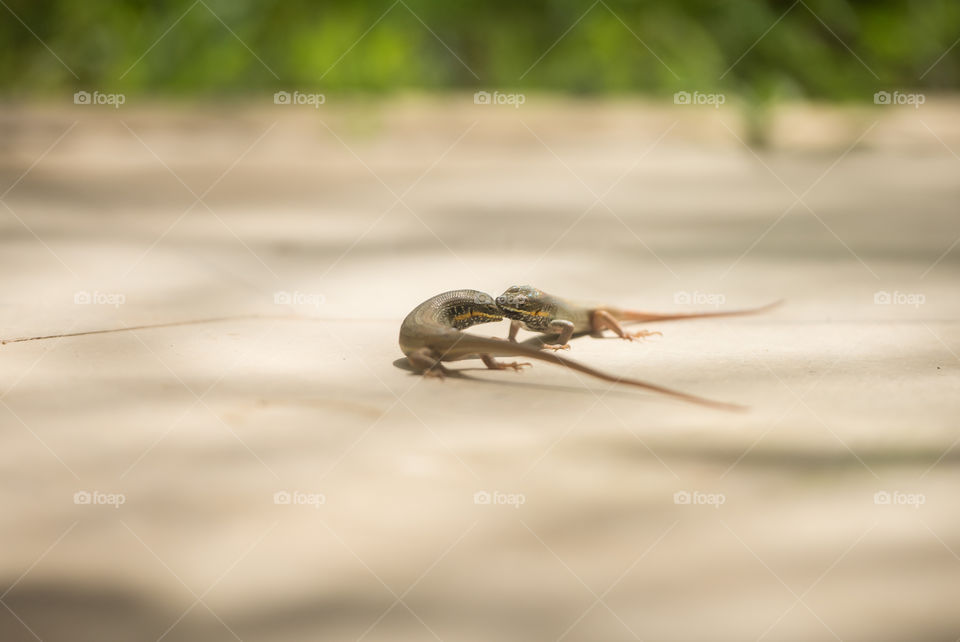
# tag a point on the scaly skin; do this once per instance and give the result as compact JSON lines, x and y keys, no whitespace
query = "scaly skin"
{"x":536,"y":311}
{"x":431,"y":335}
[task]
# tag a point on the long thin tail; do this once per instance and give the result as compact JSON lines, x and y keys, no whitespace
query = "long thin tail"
{"x":502,"y":348}
{"x":131,"y":328}
{"x":636,"y":315}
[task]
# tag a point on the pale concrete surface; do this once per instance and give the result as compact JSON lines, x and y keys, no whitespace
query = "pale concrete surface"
{"x":199,"y":426}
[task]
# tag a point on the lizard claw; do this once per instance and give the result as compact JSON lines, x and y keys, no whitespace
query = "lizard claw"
{"x":555,"y":347}
{"x":514,"y":365}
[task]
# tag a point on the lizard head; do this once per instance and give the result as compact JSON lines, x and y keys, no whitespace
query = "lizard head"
{"x":470,"y":307}
{"x":526,"y":304}
{"x":484,"y":304}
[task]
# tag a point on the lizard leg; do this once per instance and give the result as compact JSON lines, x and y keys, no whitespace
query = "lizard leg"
{"x":514,"y":329}
{"x":601,"y":319}
{"x":565,"y":330}
{"x":493,"y":364}
{"x":426,"y":362}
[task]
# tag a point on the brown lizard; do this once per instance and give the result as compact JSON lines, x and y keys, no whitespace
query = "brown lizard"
{"x":537,"y":311}
{"x":430,"y":335}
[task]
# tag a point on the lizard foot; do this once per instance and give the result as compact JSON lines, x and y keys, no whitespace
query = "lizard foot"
{"x":555,"y":346}
{"x":513,"y":365}
{"x":493,"y":364}
{"x":642,"y":334}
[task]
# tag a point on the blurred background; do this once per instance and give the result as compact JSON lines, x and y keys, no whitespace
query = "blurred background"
{"x":298,"y":175}
{"x":581,"y":48}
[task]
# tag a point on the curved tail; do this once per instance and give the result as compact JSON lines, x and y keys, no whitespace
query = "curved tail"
{"x":499,"y":347}
{"x":638,"y":316}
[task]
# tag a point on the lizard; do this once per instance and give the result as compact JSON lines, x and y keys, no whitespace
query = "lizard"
{"x":431,"y":334}
{"x":534,"y":310}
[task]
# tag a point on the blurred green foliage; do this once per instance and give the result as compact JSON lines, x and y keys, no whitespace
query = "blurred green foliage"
{"x":212,"y":47}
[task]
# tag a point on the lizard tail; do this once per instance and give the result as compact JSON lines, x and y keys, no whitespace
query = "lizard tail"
{"x":635,"y":315}
{"x":168,"y":324}
{"x":499,"y":347}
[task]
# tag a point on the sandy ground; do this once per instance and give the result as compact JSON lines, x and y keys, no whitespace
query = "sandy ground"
{"x":615,"y":514}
